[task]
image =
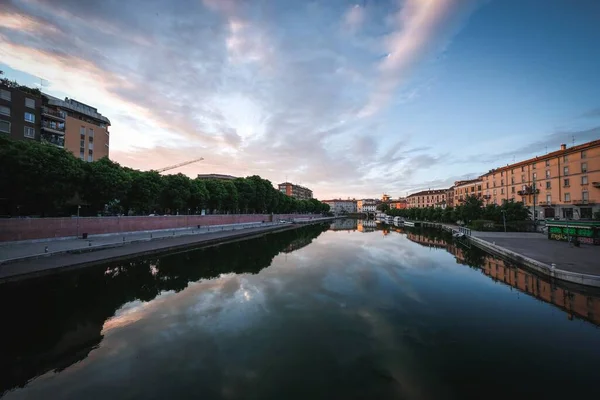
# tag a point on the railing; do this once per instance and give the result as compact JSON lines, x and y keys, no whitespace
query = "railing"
{"x":54,"y":113}
{"x":60,"y":142}
{"x":464,"y":231}
{"x":596,"y":184}
{"x":59,"y":127}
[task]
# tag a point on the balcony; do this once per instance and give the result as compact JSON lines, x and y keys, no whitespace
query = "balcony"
{"x":59,"y":115}
{"x":56,"y":140}
{"x":487,"y":196}
{"x":528,"y":191}
{"x":546,"y":204}
{"x":54,"y":127}
{"x":596,"y":184}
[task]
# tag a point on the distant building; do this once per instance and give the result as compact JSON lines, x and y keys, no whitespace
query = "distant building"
{"x":339,"y":206}
{"x":399,"y":204}
{"x":385,"y":198}
{"x":428,"y":198}
{"x":295,"y":191}
{"x":216,"y":176}
{"x":462,"y":189}
{"x":20,"y":112}
{"x":366,"y":205}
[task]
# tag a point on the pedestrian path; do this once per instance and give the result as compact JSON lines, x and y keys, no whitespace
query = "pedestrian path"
{"x":18,"y":251}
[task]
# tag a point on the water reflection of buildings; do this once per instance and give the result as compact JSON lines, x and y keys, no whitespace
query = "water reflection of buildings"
{"x":346,"y":224}
{"x":366,"y":225}
{"x":574,"y":300}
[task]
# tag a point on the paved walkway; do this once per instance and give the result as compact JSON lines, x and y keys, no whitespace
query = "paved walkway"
{"x":584,"y":259}
{"x":43,"y":264}
{"x":14,"y":251}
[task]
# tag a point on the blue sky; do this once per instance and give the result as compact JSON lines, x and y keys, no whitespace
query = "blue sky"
{"x":350,"y":98}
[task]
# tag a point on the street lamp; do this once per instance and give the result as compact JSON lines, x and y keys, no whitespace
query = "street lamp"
{"x":78,"y":208}
{"x":504,"y":218}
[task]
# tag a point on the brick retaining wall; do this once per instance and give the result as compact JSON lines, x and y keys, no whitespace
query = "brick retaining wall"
{"x":42,"y":228}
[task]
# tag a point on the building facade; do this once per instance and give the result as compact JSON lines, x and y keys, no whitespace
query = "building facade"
{"x":295,"y":191}
{"x":366,"y":205}
{"x":339,"y":206}
{"x":462,"y":189}
{"x":564,"y":184}
{"x":428,"y":198}
{"x":75,"y":126}
{"x":19,"y":112}
{"x":399,"y":204}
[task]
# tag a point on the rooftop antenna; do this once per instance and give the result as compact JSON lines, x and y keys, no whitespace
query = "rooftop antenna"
{"x":573,"y":140}
{"x":43,"y":83}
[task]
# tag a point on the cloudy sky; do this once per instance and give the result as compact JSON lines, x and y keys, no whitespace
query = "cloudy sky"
{"x":349,"y":98}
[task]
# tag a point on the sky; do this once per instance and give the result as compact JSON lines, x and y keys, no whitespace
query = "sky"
{"x":349,"y":98}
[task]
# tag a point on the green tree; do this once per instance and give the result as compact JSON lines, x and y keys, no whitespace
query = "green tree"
{"x":471,"y":209}
{"x":199,"y":195}
{"x":176,"y":193}
{"x":144,"y":192}
{"x":383,"y":207}
{"x":217,"y":195}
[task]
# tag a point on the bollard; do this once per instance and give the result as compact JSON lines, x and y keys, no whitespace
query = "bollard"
{"x":46,"y":249}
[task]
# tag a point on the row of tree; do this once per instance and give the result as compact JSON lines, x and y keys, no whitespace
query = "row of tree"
{"x":44,"y":180}
{"x":471,"y":209}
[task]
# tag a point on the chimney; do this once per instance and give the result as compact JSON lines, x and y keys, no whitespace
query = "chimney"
{"x":563,"y":146}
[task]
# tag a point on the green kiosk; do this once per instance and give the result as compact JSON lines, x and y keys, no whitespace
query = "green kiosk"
{"x":587,"y":232}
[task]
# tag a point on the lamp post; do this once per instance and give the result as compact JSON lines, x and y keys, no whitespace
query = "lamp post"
{"x":504,"y":218}
{"x":534,"y":214}
{"x":78,"y":208}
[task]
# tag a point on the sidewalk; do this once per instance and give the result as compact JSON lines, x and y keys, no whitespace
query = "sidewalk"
{"x":44,"y":265}
{"x":19,"y":251}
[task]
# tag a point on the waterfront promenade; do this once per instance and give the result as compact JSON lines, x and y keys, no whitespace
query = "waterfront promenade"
{"x":30,"y":258}
{"x":534,"y":250}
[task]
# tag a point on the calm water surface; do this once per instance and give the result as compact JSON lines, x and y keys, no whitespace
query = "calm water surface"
{"x":347,"y":311}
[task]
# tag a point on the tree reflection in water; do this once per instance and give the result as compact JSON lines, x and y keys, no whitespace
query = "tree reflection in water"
{"x":52,"y":322}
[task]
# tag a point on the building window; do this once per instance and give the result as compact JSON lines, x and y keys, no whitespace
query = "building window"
{"x":512,"y":171}
{"x":29,"y":117}
{"x":5,"y":94}
{"x":565,"y":171}
{"x":502,"y":191}
{"x":585,"y":195}
{"x":4,"y":110}
{"x":82,"y":144}
{"x":90,"y":158}
{"x":565,"y":158}
{"x":548,"y":185}
{"x":501,"y":173}
{"x":4,"y":126}
{"x":494,"y":183}
{"x":584,"y":154}
{"x":512,"y":181}
{"x":584,"y":180}
{"x":502,"y":182}
{"x":584,"y":167}
{"x":534,"y":166}
{"x":534,"y":176}
{"x":522,"y":178}
{"x":548,"y":174}
{"x":549,"y":199}
{"x":585,"y":212}
{"x":91,"y":132}
{"x":567,"y":197}
{"x":512,"y":190}
{"x":29,"y":132}
{"x":81,"y":155}
{"x":547,"y":163}
{"x":523,"y":169}
{"x":487,"y":185}
{"x":567,"y":183}
{"x":82,"y":131}
{"x":29,"y":103}
{"x":568,"y":213}
{"x":494,"y":192}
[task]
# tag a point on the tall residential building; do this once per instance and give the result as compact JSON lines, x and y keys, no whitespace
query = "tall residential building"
{"x":295,"y":191}
{"x":20,"y":112}
{"x":77,"y":127}
{"x":562,"y":184}
{"x":428,"y":198}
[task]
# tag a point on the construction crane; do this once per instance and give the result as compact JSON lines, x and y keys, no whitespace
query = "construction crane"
{"x":170,"y":167}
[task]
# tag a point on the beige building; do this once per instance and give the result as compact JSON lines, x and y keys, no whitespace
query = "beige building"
{"x":428,"y":198}
{"x":76,"y":127}
{"x":562,"y":184}
{"x":462,"y":189}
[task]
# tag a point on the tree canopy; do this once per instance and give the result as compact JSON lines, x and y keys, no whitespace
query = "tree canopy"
{"x":44,"y":180}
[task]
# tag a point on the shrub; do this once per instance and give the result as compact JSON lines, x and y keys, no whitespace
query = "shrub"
{"x":482,"y":225}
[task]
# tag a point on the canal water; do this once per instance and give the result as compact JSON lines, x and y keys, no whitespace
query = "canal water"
{"x":343,"y":311}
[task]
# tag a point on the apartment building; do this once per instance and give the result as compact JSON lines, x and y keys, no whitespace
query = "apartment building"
{"x":339,"y":206}
{"x":75,"y":126}
{"x":366,"y":205}
{"x":450,"y":197}
{"x":563,"y":184}
{"x":428,"y":198}
{"x":295,"y":191}
{"x":19,"y":112}
{"x":462,"y":189}
{"x":399,"y":204}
